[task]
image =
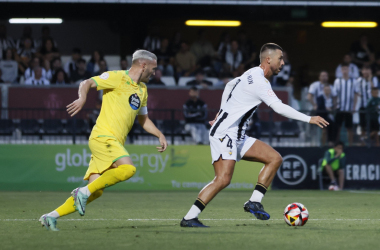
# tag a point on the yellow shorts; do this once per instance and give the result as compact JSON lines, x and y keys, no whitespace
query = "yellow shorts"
{"x":105,"y":151}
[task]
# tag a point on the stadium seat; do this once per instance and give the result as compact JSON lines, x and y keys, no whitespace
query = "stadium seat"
{"x":168,"y":80}
{"x":289,"y":129}
{"x":29,"y":127}
{"x":6,"y":127}
{"x":78,"y":126}
{"x":52,"y":126}
{"x":267,"y":128}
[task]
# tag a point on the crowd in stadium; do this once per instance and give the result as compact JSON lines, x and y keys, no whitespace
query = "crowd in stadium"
{"x":32,"y":61}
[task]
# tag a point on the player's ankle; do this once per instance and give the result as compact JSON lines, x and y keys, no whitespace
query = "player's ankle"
{"x":195,"y":210}
{"x":258,"y":193}
{"x":85,"y":190}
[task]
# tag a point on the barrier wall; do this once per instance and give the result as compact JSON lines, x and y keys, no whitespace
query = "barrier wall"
{"x":61,"y":168}
{"x":300,"y":168}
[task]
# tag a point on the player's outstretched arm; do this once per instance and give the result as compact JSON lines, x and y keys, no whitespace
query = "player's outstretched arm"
{"x":291,"y":113}
{"x":74,"y":107}
{"x":149,"y":127}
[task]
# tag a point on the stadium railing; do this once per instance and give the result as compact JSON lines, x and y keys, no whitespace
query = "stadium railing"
{"x":55,"y":126}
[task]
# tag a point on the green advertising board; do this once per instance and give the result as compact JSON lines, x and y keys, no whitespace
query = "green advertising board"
{"x":62,"y":167}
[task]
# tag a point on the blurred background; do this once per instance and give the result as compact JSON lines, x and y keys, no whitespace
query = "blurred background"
{"x":42,"y":64}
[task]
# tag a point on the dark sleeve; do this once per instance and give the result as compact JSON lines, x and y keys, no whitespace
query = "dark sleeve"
{"x":190,"y":83}
{"x":328,"y":158}
{"x":207,"y":82}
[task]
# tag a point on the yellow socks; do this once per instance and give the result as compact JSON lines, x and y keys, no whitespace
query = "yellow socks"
{"x":108,"y":178}
{"x":111,"y":177}
{"x":68,"y":207}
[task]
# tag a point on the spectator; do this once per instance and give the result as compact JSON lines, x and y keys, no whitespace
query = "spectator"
{"x":152,"y":42}
{"x":5,"y":41}
{"x":353,"y":69}
{"x":283,"y":77}
{"x":1,"y":76}
{"x":26,"y":52}
{"x":347,"y":91}
{"x":175,"y":43}
{"x":93,"y":64}
{"x":48,"y":50}
{"x":60,"y":77}
{"x":102,"y":67}
{"x":123,"y":64}
{"x":45,"y":35}
{"x":373,"y":108}
{"x":35,"y":62}
{"x":203,"y":50}
{"x":26,"y":34}
{"x":195,"y":112}
{"x":366,"y":83}
{"x":224,"y":44}
{"x":56,"y":64}
{"x":156,"y":79}
{"x":316,"y":89}
{"x":376,"y":66}
{"x":234,"y":56}
{"x":94,"y":114}
{"x":185,"y":61}
{"x":362,"y":51}
{"x":334,"y":162}
{"x":80,"y":73}
{"x":245,"y":45}
{"x":325,"y":105}
{"x":9,"y":67}
{"x":37,"y":79}
{"x":240,"y":70}
{"x":199,"y":80}
{"x":70,"y":66}
{"x":165,"y":60}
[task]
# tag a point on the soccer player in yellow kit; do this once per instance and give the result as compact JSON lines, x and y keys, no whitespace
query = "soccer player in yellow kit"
{"x":124,"y":97}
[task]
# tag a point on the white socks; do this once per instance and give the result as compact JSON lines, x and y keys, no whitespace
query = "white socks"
{"x":256,"y":196}
{"x":53,"y":214}
{"x":85,"y":191}
{"x":193,"y":213}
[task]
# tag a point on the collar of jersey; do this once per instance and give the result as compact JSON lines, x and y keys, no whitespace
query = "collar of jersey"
{"x":133,"y":82}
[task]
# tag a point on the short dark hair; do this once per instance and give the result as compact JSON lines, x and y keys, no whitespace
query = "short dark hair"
{"x":270,"y":46}
{"x":367,"y":67}
{"x":345,"y":64}
{"x":81,"y":60}
{"x":77,"y":51}
{"x":339,"y":143}
{"x":374,"y":88}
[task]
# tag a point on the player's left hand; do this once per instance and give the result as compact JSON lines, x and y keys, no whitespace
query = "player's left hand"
{"x":163,"y":143}
{"x":317,"y":120}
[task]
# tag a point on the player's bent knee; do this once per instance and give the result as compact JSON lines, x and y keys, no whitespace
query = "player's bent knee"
{"x":223,"y":181}
{"x":127,"y":171}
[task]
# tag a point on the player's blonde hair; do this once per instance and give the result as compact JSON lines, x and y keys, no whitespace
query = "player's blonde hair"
{"x":143,"y":54}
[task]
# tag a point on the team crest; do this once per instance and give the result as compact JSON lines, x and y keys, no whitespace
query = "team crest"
{"x":104,"y":76}
{"x":134,"y":101}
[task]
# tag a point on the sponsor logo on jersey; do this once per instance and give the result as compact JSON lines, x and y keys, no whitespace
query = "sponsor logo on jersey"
{"x":293,"y":170}
{"x":134,"y":101}
{"x":271,"y":93}
{"x":104,"y":76}
{"x":250,"y":79}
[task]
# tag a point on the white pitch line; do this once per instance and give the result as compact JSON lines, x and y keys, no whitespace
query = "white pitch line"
{"x":180,"y":219}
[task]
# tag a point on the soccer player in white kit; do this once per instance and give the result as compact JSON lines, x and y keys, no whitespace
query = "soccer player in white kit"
{"x":229,"y":144}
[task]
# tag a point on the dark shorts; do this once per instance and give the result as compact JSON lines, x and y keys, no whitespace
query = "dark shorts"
{"x":345,"y":117}
{"x":374,"y":125}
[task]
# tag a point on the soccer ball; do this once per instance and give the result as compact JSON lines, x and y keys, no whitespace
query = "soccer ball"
{"x":296,"y":214}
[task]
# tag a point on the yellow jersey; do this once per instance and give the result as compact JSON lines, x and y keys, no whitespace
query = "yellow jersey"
{"x":122,"y":101}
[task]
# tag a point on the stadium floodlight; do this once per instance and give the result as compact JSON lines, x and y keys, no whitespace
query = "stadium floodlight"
{"x":222,"y":23}
{"x":35,"y":20}
{"x":349,"y":24}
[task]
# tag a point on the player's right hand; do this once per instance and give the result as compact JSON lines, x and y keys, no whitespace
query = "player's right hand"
{"x":76,"y":106}
{"x":317,"y":120}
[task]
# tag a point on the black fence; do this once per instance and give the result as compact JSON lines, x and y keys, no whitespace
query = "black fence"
{"x":56,"y":126}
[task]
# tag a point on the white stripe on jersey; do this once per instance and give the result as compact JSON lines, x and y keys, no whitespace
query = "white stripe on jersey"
{"x":345,"y":90}
{"x":365,"y":90}
{"x":241,"y":98}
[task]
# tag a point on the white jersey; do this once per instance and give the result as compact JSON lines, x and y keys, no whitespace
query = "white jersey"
{"x":241,"y":98}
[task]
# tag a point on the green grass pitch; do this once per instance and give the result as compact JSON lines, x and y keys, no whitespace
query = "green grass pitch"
{"x":150,"y":220}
